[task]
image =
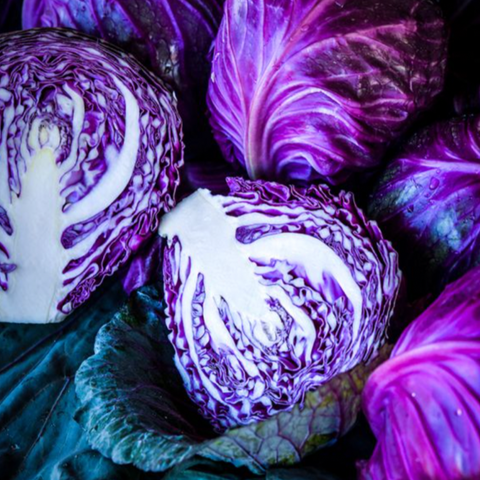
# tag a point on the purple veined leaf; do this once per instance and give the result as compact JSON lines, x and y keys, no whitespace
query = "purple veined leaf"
{"x":170,"y":37}
{"x":90,"y":151}
{"x":317,"y":89}
{"x":145,"y":267}
{"x":428,"y":203}
{"x":423,"y":404}
{"x":272,"y":291}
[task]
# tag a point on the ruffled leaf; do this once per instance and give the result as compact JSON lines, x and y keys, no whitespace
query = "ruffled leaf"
{"x":39,"y":438}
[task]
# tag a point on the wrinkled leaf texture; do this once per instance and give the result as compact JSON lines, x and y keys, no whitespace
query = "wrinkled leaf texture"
{"x":39,"y":439}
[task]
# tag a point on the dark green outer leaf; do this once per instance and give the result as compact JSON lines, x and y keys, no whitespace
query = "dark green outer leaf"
{"x":135,"y":409}
{"x":130,"y":391}
{"x":39,"y":438}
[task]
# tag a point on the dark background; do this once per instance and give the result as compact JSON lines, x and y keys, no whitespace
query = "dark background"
{"x":10,"y":15}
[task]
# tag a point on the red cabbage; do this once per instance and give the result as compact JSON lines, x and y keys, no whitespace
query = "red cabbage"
{"x":272,"y":291}
{"x":317,"y":89}
{"x":428,"y":203}
{"x":424,"y":403}
{"x":90,"y":150}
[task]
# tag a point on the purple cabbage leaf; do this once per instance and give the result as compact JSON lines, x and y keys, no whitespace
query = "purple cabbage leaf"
{"x":90,"y":151}
{"x":428,"y":203}
{"x":423,"y":404}
{"x":170,"y":37}
{"x":318,"y":89}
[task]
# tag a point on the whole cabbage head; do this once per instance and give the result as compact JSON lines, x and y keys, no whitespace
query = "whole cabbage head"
{"x":428,"y":203}
{"x":270,"y":292}
{"x":170,"y":37}
{"x":317,"y":89}
{"x":90,"y":150}
{"x":424,"y":403}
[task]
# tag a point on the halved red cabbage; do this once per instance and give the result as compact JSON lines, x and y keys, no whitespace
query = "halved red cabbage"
{"x":424,"y":403}
{"x":317,"y":89}
{"x":171,"y":37}
{"x":272,"y":291}
{"x":90,"y":150}
{"x":427,"y":203}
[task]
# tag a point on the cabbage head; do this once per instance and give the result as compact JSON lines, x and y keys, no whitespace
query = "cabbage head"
{"x":318,"y":89}
{"x":272,"y":291}
{"x":90,"y":150}
{"x":423,"y":404}
{"x":428,"y":203}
